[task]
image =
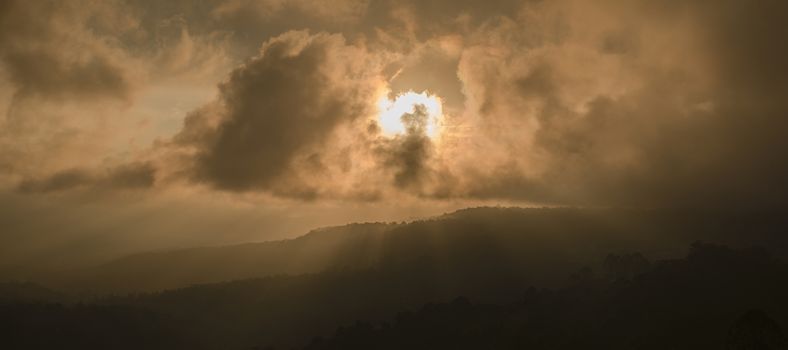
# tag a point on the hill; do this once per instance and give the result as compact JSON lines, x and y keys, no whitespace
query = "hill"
{"x":535,"y":244}
{"x":713,"y":297}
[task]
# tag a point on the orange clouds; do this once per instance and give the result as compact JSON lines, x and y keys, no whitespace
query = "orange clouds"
{"x":563,"y":102}
{"x":280,"y":109}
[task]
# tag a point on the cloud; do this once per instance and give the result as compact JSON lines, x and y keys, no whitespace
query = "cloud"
{"x":629,"y":104}
{"x":127,"y":176}
{"x":561,"y":102}
{"x":409,"y":154}
{"x":335,"y":11}
{"x":278,"y":108}
{"x":47,"y":51}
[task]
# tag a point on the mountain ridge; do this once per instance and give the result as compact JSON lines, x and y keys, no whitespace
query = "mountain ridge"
{"x":567,"y":237}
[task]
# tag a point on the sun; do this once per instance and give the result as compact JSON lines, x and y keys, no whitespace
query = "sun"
{"x":391,"y":112}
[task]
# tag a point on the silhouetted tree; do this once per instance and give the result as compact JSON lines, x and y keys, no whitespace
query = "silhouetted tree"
{"x":756,"y":331}
{"x":625,"y":266}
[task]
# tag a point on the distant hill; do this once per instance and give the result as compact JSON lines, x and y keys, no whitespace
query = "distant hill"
{"x":535,"y":244}
{"x":314,"y":252}
{"x":29,"y":292}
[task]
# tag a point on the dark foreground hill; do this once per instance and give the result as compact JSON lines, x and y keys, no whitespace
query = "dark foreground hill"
{"x":714,"y":298}
{"x":538,"y":245}
{"x":284,"y":294}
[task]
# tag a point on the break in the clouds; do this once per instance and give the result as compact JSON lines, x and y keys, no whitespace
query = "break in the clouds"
{"x":611,"y":102}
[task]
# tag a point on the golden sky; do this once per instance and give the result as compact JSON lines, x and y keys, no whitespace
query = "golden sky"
{"x":221,"y":121}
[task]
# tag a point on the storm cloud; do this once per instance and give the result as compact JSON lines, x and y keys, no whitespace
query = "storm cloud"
{"x":279,"y":106}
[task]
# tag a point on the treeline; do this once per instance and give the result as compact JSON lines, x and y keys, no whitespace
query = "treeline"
{"x":713,"y":298}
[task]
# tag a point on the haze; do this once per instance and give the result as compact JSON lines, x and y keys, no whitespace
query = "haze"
{"x":130,"y":127}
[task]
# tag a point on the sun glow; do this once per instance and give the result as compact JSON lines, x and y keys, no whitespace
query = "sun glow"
{"x":392,"y":112}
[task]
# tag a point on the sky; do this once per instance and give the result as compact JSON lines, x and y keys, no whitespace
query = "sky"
{"x":134,"y":125}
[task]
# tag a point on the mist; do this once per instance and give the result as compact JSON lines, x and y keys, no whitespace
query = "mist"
{"x":393,"y":174}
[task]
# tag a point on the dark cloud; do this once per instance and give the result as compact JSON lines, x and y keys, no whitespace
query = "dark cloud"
{"x":47,"y":51}
{"x":128,"y":176}
{"x":409,"y":154}
{"x":63,"y":180}
{"x":281,"y":105}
